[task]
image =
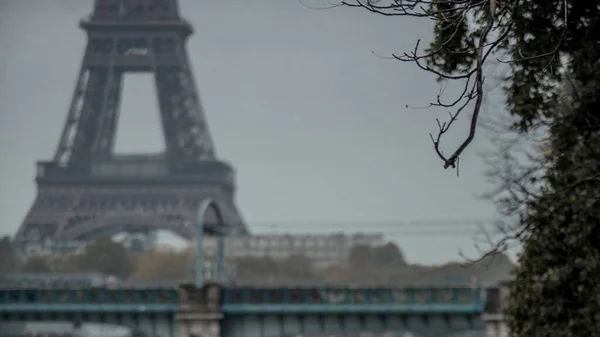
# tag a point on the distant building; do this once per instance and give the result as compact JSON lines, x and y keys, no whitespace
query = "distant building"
{"x":323,"y":250}
{"x":49,"y":248}
{"x":58,"y":280}
{"x":134,"y":242}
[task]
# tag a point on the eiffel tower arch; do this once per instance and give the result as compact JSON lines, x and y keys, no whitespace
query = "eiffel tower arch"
{"x":86,"y":190}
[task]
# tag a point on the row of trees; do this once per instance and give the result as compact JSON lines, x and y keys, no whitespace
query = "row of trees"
{"x":548,"y":189}
{"x":102,"y":256}
{"x":383,"y":264}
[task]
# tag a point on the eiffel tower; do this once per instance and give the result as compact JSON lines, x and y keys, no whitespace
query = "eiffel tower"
{"x":87,"y":191}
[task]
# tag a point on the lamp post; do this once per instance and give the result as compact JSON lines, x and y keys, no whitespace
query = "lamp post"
{"x":220,"y":258}
{"x":204,"y":205}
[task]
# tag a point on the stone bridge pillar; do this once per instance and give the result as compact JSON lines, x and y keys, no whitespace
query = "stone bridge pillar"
{"x":199,"y":312}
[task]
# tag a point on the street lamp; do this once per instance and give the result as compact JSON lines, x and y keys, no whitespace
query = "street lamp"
{"x":202,"y":208}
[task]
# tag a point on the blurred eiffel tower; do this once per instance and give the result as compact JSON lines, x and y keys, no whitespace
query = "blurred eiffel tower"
{"x":87,"y":191}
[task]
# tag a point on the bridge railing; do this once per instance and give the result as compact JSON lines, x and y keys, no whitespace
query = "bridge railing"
{"x":87,"y":296}
{"x":296,"y":295}
{"x":247,"y":300}
{"x":347,"y":295}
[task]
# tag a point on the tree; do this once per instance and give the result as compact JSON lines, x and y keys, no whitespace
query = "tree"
{"x":37,"y":264}
{"x":255,"y":269}
{"x":552,"y":84}
{"x":364,"y":256}
{"x":388,"y":255}
{"x":107,"y":257}
{"x":560,"y":229}
{"x":171,"y":266}
{"x":297,"y":267}
{"x":8,"y":259}
{"x":361,"y":256}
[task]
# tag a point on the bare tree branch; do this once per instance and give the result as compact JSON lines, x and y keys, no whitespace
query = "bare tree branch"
{"x":490,"y":22}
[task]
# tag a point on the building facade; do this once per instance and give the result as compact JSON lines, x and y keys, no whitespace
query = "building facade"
{"x":323,"y":250}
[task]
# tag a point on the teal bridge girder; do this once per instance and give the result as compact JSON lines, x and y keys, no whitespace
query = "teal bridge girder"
{"x":344,"y":325}
{"x":353,"y":300}
{"x":240,"y":301}
{"x":260,"y":311}
{"x":92,"y":300}
{"x":245,"y":301}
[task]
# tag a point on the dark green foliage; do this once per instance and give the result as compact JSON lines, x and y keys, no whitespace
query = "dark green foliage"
{"x":551,"y":40}
{"x":452,"y":49}
{"x":556,"y":291}
{"x":559,"y":272}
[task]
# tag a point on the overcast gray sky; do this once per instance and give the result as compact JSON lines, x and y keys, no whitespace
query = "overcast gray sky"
{"x":314,"y":122}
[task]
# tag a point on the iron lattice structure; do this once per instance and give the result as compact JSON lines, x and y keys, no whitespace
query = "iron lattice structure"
{"x":87,"y":191}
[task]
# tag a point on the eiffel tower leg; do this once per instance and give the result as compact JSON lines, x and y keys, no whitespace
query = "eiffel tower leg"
{"x":104,"y":141}
{"x":91,"y":122}
{"x":64,"y":149}
{"x":95,"y":119}
{"x":48,"y":214}
{"x":185,"y":130}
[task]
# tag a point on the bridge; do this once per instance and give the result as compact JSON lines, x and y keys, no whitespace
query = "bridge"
{"x":243,"y":311}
